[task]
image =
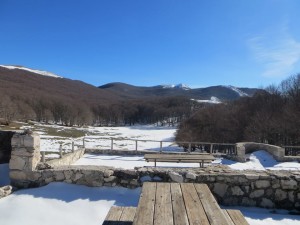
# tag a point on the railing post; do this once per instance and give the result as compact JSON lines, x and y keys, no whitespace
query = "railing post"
{"x":211,"y":148}
{"x":43,"y":157}
{"x":160,"y":149}
{"x":112,"y":144}
{"x":136,"y":145}
{"x":83,"y":142}
{"x":60,"y":151}
{"x":72,"y":146}
{"x":190,"y":147}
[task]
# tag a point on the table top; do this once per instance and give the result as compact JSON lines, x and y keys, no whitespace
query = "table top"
{"x":183,"y":157}
{"x":178,"y":204}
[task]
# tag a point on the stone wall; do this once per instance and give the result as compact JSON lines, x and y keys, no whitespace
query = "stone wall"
{"x":25,"y":156}
{"x":67,"y":159}
{"x":5,"y":146}
{"x":248,"y":147}
{"x":270,"y":189}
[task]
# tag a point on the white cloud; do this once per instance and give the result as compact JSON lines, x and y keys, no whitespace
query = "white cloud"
{"x":278,"y":53}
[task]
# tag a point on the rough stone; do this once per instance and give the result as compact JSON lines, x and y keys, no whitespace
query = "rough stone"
{"x":267,"y":203}
{"x":280,"y":195}
{"x":248,"y":202}
{"x":190,"y":175}
{"x":262,"y":183}
{"x":220,"y":189}
{"x":257,"y":193}
{"x":17,"y":163}
{"x":237,"y":191}
{"x":289,"y":184}
{"x":17,"y":175}
{"x":291,"y":196}
{"x":110,"y":179}
{"x":176,"y":177}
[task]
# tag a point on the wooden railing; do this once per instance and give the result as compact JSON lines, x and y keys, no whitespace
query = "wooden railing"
{"x":292,"y":150}
{"x":136,"y":144}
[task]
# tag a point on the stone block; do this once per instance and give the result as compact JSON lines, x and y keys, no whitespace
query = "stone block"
{"x":289,"y":184}
{"x":248,"y":202}
{"x":17,"y":163}
{"x":257,"y":194}
{"x":59,"y":176}
{"x":190,"y":175}
{"x":176,"y":177}
{"x":220,"y":189}
{"x":237,"y":191}
{"x":280,"y":195}
{"x":110,"y":179}
{"x":267,"y":203}
{"x":17,"y":175}
{"x":262,"y":183}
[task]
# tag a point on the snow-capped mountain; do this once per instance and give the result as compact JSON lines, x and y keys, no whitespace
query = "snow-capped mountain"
{"x":237,"y":90}
{"x":40,"y":72}
{"x":179,"y":86}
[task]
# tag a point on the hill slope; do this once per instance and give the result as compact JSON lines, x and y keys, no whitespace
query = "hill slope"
{"x":224,"y":93}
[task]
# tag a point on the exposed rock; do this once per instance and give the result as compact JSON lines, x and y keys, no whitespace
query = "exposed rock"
{"x":280,"y":195}
{"x":289,"y":184}
{"x":176,"y":177}
{"x":257,"y":193}
{"x":220,"y":189}
{"x":190,"y":175}
{"x":267,"y":203}
{"x":262,"y":183}
{"x":237,"y":191}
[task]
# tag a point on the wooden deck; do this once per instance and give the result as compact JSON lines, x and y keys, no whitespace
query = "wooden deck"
{"x":120,"y":216}
{"x":182,"y":158}
{"x":181,"y":204}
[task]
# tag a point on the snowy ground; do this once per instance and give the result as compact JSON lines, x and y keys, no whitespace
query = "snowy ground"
{"x":259,"y":160}
{"x":67,"y":204}
{"x":100,"y":137}
{"x":61,"y":203}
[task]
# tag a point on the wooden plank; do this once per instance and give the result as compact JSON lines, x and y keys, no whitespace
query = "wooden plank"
{"x":211,"y":207}
{"x":163,"y":205}
{"x":236,"y":216}
{"x":193,"y":205}
{"x":113,"y":215}
{"x":128,"y":214}
{"x":182,"y":157}
{"x":145,"y":210}
{"x":179,"y":212}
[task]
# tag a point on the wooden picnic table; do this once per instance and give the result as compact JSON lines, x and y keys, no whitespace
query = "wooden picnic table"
{"x":181,"y":204}
{"x":179,"y":158}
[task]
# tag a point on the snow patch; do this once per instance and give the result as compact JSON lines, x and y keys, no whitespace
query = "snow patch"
{"x":40,"y":72}
{"x":237,"y":90}
{"x":179,"y":86}
{"x":213,"y":100}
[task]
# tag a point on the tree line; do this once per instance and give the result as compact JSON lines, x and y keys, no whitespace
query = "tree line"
{"x":271,"y":116}
{"x":65,"y":111}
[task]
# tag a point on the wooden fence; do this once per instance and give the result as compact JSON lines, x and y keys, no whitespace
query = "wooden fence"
{"x":292,"y":150}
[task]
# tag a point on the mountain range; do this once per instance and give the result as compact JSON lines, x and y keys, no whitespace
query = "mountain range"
{"x":19,"y":79}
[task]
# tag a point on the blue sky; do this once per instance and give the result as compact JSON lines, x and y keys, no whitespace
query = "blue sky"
{"x":148,"y":42}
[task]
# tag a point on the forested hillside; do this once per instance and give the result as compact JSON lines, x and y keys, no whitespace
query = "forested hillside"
{"x":270,"y":117}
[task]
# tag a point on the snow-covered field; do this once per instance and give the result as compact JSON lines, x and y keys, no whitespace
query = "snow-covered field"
{"x":100,"y":137}
{"x":67,"y":204}
{"x":259,"y":160}
{"x":61,"y":203}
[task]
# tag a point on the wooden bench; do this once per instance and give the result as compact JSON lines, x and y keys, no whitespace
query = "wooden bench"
{"x":236,"y":216}
{"x":181,"y":203}
{"x":120,"y":216}
{"x":180,"y":158}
